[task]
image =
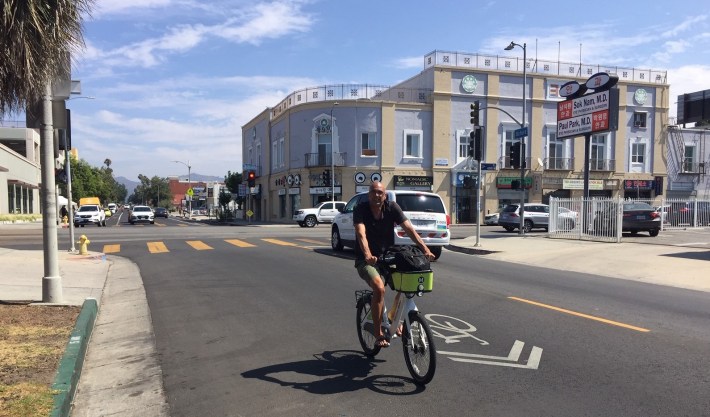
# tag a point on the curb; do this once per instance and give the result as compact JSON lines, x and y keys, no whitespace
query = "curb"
{"x":69,"y":371}
{"x":469,"y":251}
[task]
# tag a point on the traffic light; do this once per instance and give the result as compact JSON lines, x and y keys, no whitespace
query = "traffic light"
{"x":475,"y":144}
{"x":251,"y":179}
{"x":475,"y":108}
{"x":60,"y":175}
{"x":326,"y":177}
{"x":515,"y":184}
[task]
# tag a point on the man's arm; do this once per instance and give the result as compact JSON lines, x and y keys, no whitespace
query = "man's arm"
{"x":409,"y":229}
{"x":361,"y":238}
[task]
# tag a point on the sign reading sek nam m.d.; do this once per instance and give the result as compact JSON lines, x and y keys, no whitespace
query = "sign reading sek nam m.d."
{"x":593,"y":113}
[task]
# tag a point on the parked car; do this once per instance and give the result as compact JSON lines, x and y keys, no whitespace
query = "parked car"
{"x":636,"y":217}
{"x":684,"y":214}
{"x":426,"y":211}
{"x":491,"y":219}
{"x":141,"y":214}
{"x":537,"y":216}
{"x":322,"y":213}
{"x":160,"y":212}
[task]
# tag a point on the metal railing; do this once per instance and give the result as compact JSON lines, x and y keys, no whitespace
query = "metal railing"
{"x":602,"y":165}
{"x":565,"y":164}
{"x":323,"y":159}
{"x":679,"y":213}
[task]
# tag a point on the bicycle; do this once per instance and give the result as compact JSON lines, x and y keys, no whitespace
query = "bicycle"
{"x":417,"y":339}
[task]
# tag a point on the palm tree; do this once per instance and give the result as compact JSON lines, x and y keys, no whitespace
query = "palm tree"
{"x":35,"y":40}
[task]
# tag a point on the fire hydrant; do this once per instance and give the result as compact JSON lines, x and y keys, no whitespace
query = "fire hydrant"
{"x":83,"y":243}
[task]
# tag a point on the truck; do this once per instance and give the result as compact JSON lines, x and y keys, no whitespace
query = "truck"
{"x":322,"y":213}
{"x":90,"y":212}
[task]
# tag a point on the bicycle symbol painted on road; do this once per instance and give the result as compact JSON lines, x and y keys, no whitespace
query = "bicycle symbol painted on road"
{"x":460,"y":328}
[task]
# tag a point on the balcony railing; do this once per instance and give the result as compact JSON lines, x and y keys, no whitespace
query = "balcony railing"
{"x":693,"y":168}
{"x":505,"y":163}
{"x":563,"y":164}
{"x":602,"y":165}
{"x":323,"y":159}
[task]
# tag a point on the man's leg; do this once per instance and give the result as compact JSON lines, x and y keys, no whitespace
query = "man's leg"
{"x":378,"y":303}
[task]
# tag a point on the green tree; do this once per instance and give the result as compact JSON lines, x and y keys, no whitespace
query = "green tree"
{"x":153,"y":191}
{"x":232,"y":181}
{"x":36,"y":37}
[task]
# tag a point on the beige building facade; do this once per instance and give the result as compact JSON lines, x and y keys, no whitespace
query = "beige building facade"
{"x":415,"y":135}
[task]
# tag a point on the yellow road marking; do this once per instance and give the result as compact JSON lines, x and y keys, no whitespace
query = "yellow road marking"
{"x":586,"y":316}
{"x":182,"y":225}
{"x":315,"y":242}
{"x":157,"y":247}
{"x":240,"y":243}
{"x":112,"y":248}
{"x":160,"y":224}
{"x":199,"y":245}
{"x":279,"y":242}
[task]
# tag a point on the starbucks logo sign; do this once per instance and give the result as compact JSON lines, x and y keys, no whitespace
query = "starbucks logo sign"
{"x":640,"y":96}
{"x":469,"y":83}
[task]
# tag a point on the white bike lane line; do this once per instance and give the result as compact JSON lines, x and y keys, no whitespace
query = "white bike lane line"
{"x":454,"y":330}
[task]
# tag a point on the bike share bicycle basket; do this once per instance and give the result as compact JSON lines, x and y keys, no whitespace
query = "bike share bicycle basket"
{"x":413,"y":282}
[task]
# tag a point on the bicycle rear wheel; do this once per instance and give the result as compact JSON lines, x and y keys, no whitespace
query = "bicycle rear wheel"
{"x":419,"y":352}
{"x":365,"y":328}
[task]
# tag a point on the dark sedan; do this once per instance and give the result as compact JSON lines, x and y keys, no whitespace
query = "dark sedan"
{"x":636,"y":217}
{"x":161,"y":212}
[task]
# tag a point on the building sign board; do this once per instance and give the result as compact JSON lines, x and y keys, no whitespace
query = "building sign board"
{"x":592,"y":113}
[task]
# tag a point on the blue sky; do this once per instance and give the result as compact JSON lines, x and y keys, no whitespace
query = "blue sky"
{"x":176,"y":79}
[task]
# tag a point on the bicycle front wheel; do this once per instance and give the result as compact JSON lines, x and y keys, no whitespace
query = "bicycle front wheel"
{"x":419,"y":351}
{"x":365,"y":328}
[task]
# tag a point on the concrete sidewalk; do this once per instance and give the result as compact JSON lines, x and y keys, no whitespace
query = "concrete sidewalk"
{"x":122,"y":375}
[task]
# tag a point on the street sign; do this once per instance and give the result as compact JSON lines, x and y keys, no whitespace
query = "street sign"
{"x":592,"y":113}
{"x":190,"y":192}
{"x":520,"y":133}
{"x":488,"y":167}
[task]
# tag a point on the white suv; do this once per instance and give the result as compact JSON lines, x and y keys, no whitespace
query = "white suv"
{"x":426,"y":212}
{"x":322,"y":213}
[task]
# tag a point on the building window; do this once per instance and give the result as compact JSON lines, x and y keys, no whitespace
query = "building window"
{"x":274,"y":155}
{"x":251,"y":156}
{"x":282,"y":151}
{"x":638,"y":152}
{"x":598,"y":155}
{"x":689,"y":159}
{"x":412,"y":144}
{"x":556,"y":155}
{"x":464,"y":139}
{"x":368,"y":142}
{"x":640,"y":119}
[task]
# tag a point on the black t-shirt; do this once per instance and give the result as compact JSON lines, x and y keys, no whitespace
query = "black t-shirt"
{"x":379,"y":233}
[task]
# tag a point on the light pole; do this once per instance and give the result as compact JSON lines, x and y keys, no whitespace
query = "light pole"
{"x":522,"y":140}
{"x":189,"y":186}
{"x":67,"y":163}
{"x":332,"y":154}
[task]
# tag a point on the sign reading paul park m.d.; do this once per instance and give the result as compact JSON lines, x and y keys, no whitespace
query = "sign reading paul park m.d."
{"x":591,"y":113}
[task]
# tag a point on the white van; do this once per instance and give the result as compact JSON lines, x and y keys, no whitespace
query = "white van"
{"x":426,"y":212}
{"x":113,"y":207}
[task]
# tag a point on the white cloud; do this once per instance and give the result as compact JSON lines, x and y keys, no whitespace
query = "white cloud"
{"x":686,"y":79}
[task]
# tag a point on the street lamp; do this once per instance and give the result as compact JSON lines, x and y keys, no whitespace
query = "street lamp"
{"x":189,"y":186}
{"x":332,"y":153}
{"x":67,"y":163}
{"x":522,"y":140}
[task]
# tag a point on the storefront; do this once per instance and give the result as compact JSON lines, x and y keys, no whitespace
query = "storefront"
{"x":465,"y":197}
{"x":508,"y":195}
{"x":639,"y":189}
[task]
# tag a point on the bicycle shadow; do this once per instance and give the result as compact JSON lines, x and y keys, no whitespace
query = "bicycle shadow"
{"x":333,"y":372}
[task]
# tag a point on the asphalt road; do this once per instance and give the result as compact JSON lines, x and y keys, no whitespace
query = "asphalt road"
{"x":260,"y":321}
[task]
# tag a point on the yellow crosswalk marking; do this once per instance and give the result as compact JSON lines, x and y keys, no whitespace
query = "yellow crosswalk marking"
{"x":157,"y":247}
{"x":160,"y":224}
{"x":182,"y":225}
{"x":199,"y":245}
{"x":112,"y":248}
{"x":240,"y":243}
{"x":315,"y":242}
{"x":279,"y":242}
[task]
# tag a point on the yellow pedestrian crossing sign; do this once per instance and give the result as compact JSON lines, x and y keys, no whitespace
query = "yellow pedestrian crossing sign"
{"x":250,"y":213}
{"x":190,"y":192}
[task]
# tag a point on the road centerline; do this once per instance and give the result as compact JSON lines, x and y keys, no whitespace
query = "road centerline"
{"x":578,"y":314}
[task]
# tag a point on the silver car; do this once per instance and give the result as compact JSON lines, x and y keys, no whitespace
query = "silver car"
{"x":537,"y":216}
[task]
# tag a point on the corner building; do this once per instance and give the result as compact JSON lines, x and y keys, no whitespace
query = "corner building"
{"x":415,"y":136}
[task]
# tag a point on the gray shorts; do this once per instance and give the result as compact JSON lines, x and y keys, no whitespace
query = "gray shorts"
{"x":368,"y":272}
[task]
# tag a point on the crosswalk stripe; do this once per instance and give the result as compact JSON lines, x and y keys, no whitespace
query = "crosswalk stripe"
{"x":157,"y":247}
{"x":199,"y":245}
{"x":239,"y":243}
{"x":279,"y":242}
{"x":160,"y":224}
{"x":182,"y":225}
{"x":112,"y":248}
{"x":315,"y":242}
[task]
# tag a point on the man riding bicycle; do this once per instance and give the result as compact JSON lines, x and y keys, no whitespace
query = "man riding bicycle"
{"x":374,"y":223}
